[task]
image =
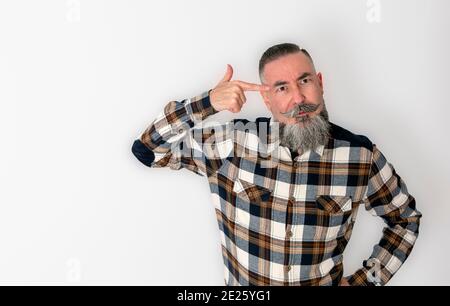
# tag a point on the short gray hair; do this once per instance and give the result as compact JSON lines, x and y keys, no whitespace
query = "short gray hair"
{"x":278,"y":51}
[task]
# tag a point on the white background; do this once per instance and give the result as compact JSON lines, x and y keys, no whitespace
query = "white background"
{"x":80,"y":80}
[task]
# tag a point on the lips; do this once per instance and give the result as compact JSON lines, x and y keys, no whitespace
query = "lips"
{"x":301,"y":113}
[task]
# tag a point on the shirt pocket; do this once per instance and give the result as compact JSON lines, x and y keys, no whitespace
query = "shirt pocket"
{"x":331,"y":217}
{"x":251,"y":192}
{"x":253,"y":207}
{"x":334,"y":204}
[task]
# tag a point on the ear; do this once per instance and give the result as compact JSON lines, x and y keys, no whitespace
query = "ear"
{"x":320,"y":78}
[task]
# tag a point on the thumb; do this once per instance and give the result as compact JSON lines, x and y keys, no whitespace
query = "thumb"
{"x":228,"y":75}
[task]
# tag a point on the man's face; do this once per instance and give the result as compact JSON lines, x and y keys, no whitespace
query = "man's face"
{"x":293,"y":81}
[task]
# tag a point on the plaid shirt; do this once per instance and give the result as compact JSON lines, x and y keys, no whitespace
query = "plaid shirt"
{"x":284,"y":218}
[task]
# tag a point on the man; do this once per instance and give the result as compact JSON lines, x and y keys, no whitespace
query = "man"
{"x":286,"y":189}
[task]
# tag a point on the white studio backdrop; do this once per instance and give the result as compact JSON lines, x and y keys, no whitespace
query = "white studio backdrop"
{"x":80,"y":80}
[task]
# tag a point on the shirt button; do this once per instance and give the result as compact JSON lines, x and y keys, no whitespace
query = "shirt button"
{"x":180,"y":131}
{"x":288,"y":268}
{"x":289,"y":234}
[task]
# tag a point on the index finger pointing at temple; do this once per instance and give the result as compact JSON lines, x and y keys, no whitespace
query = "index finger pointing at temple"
{"x":252,"y":87}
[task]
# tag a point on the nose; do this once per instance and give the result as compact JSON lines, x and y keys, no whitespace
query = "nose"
{"x":297,"y":95}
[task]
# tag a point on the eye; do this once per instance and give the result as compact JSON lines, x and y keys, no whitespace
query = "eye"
{"x":305,"y":81}
{"x":281,"y":88}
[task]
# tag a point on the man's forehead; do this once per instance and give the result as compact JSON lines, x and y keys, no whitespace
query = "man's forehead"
{"x":288,"y":68}
{"x":285,"y":77}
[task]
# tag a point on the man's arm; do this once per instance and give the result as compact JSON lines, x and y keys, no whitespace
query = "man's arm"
{"x":171,"y":140}
{"x":387,"y":196}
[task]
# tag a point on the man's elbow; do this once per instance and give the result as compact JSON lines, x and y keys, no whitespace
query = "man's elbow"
{"x":143,"y":153}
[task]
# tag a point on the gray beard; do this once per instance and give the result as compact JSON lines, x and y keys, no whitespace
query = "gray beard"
{"x":314,"y":133}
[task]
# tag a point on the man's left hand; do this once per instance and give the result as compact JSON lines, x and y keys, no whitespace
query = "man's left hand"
{"x":344,"y":282}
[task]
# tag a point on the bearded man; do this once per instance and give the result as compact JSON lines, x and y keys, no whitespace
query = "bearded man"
{"x":286,"y":189}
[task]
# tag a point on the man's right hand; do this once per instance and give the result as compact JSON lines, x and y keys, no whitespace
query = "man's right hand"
{"x":229,"y":95}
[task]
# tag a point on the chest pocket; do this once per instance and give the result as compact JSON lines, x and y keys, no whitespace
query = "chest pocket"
{"x":330,"y":218}
{"x":251,"y":192}
{"x":334,"y":204}
{"x":253,"y":207}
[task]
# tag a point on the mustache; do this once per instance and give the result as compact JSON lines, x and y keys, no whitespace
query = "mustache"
{"x":304,"y":107}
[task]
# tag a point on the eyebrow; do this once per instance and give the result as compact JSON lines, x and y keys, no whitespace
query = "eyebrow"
{"x":304,"y":75}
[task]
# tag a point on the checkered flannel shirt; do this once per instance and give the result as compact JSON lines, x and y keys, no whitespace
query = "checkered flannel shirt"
{"x":286,"y":218}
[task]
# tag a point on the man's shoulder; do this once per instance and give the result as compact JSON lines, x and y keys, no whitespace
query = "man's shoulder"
{"x":258,"y":125}
{"x":356,"y":140}
{"x":257,"y":120}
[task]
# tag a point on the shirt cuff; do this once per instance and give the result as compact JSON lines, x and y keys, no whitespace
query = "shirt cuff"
{"x":200,"y":106}
{"x":359,"y":278}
